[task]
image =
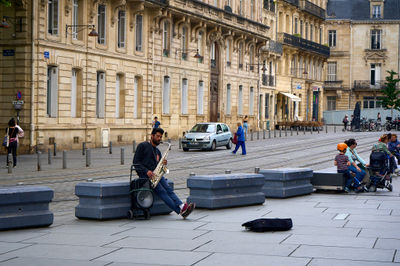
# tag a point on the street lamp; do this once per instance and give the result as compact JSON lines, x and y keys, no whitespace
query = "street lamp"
{"x":92,"y":33}
{"x":263,"y":69}
{"x":184,"y":53}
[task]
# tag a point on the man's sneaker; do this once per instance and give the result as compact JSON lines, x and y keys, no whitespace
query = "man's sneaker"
{"x":187,"y":209}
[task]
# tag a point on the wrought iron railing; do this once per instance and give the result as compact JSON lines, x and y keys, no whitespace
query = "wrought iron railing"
{"x":275,"y":47}
{"x":304,"y":44}
{"x":293,"y":2}
{"x":368,"y":84}
{"x":312,"y":9}
{"x":268,"y":80}
{"x":333,"y":84}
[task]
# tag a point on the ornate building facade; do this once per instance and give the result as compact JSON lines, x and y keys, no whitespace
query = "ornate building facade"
{"x":96,"y":71}
{"x":364,"y":38}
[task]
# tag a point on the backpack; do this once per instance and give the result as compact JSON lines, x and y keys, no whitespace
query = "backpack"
{"x":269,"y":224}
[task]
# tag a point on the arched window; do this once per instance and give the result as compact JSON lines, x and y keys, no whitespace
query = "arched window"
{"x":139,"y":32}
{"x":251,"y":58}
{"x":184,"y":42}
{"x":166,"y":37}
{"x":241,"y":54}
{"x":166,"y":95}
{"x":200,"y":41}
{"x":228,"y":52}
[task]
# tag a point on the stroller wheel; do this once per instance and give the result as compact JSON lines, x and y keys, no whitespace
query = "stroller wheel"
{"x":130,"y":214}
{"x":389,"y":187}
{"x":372,"y":188}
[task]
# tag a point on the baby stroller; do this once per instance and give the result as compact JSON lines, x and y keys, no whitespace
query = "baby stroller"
{"x":379,"y":172}
{"x":141,"y":195}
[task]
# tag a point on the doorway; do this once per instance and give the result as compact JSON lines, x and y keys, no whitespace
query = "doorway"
{"x":214,"y":86}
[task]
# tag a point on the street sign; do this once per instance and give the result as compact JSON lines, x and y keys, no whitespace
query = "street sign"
{"x":19,"y":95}
{"x":8,"y":52}
{"x":46,"y":54}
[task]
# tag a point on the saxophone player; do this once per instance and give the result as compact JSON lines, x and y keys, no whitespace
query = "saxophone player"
{"x":147,"y":155}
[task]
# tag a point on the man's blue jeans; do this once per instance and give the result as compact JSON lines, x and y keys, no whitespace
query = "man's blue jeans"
{"x":165,"y":192}
{"x":240,"y":144}
{"x":349,"y":177}
{"x":359,"y":175}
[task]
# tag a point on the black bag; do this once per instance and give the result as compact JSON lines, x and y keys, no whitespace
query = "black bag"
{"x":268,"y":224}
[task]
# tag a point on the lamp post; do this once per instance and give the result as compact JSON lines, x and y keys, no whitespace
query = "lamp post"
{"x":78,"y":28}
{"x":185,"y":51}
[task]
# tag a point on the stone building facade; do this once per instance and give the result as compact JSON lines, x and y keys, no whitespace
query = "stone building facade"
{"x":364,"y":38}
{"x":96,"y":71}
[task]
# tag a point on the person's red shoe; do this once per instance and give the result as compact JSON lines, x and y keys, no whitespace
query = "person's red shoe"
{"x":187,"y":209}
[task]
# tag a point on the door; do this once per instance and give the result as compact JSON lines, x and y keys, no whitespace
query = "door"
{"x":214,"y":98}
{"x":315,"y":105}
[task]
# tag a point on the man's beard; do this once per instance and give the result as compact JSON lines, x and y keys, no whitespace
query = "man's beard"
{"x":155,"y":142}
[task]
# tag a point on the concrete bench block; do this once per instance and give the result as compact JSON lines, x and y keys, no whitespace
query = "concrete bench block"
{"x":110,"y":200}
{"x":229,"y":190}
{"x":287,"y":182}
{"x":25,"y":206}
{"x":328,"y":180}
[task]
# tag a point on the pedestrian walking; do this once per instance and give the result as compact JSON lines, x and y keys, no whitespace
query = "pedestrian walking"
{"x":156,"y":123}
{"x":345,"y":122}
{"x":240,"y":139}
{"x":245,"y":125}
{"x":11,"y":144}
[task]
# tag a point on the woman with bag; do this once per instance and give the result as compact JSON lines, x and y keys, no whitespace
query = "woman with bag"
{"x":12,"y":142}
{"x":357,"y":165}
{"x":240,"y":139}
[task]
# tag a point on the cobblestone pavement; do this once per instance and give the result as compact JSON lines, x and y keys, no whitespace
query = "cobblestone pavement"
{"x":292,"y":149}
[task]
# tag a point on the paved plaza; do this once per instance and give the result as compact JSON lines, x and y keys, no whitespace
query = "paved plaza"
{"x":328,"y":228}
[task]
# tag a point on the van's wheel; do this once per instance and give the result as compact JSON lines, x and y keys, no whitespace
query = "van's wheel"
{"x":229,"y":145}
{"x":185,"y":149}
{"x":214,"y":146}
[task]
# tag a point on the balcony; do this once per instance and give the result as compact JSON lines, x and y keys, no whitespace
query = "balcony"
{"x":313,"y":9}
{"x":292,"y":2}
{"x":273,"y":47}
{"x":268,"y":80}
{"x":333,"y":84}
{"x":366,"y":85}
{"x":303,"y":44}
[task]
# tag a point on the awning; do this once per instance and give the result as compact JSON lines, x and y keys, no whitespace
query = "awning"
{"x":291,"y":96}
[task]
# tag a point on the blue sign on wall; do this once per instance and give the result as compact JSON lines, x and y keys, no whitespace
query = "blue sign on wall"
{"x":46,"y":54}
{"x":9,"y":52}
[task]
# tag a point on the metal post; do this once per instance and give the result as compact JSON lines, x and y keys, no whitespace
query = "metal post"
{"x":275,"y":133}
{"x":39,"y":163}
{"x":55,"y":149}
{"x":326,"y":129}
{"x":263,"y":133}
{"x":304,"y":130}
{"x":110,"y":147}
{"x":169,"y":141}
{"x":280,"y":132}
{"x":180,"y":143}
{"x":257,"y":170}
{"x":318,"y":129}
{"x":291,"y":131}
{"x":122,"y":156}
{"x":251,"y":135}
{"x":48,"y":156}
{"x":64,"y":165}
{"x":134,"y":146}
{"x":87,"y":157}
{"x":311,"y":129}
{"x":334,"y":128}
{"x":9,"y":163}
{"x":227,"y":172}
{"x":269,"y":133}
{"x":297,"y":130}
{"x":258,"y":135}
{"x":83,"y":148}
{"x":285,"y":131}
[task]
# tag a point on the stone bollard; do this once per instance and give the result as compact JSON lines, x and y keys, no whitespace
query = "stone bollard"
{"x":134,"y":146}
{"x":304,"y":130}
{"x":326,"y":129}
{"x":297,"y":131}
{"x":227,"y":172}
{"x":318,"y":129}
{"x":64,"y":163}
{"x":280,"y":132}
{"x":88,"y":158}
{"x":274,"y":133}
{"x":122,"y":156}
{"x":257,"y":170}
{"x":291,"y":131}
{"x":55,"y":149}
{"x":311,"y":129}
{"x":285,"y":131}
{"x":9,"y":163}
{"x":83,"y":148}
{"x":180,"y":143}
{"x":48,"y":156}
{"x":251,"y":134}
{"x":269,"y":133}
{"x":263,"y":133}
{"x":258,"y":135}
{"x":39,"y":163}
{"x":110,"y":147}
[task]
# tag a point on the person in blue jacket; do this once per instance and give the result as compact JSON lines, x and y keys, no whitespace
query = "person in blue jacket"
{"x":241,"y":139}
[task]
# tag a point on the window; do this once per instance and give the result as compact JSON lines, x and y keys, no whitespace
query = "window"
{"x":52,"y":22}
{"x":166,"y":38}
{"x":75,"y":19}
{"x":251,"y":101}
{"x":101,"y":20}
{"x":332,"y":38}
{"x":331,"y":71}
{"x":331,"y":103}
{"x":296,"y":22}
{"x":241,"y":7}
{"x":306,"y":31}
{"x":200,"y":42}
{"x":166,"y":92}
{"x":240,"y":52}
{"x":121,"y":29}
{"x":52,"y":91}
{"x":184,"y":43}
{"x":251,"y":58}
{"x":74,"y":85}
{"x":240,"y":98}
{"x":376,"y":39}
{"x":100,"y":94}
{"x":184,"y":97}
{"x":371,"y":102}
{"x":376,"y":11}
{"x":213,"y":55}
{"x":311,"y":32}
{"x":301,"y":28}
{"x":228,"y":99}
{"x":225,"y":128}
{"x":228,"y":52}
{"x":139,"y":32}
{"x":320,"y":35}
{"x":200,"y":97}
{"x":137,"y":96}
{"x":266,"y":108}
{"x":252,"y":11}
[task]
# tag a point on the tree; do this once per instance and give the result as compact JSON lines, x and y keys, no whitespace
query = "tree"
{"x":6,"y":3}
{"x":391,"y":95}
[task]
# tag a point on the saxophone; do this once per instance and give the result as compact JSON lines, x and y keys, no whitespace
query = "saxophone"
{"x":160,"y":170}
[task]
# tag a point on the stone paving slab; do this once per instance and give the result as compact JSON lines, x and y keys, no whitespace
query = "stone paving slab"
{"x":333,"y":262}
{"x":381,"y":233}
{"x":21,"y":235}
{"x":8,"y":247}
{"x":46,"y":261}
{"x":240,"y":260}
{"x":162,"y":233}
{"x":330,"y":240}
{"x":352,"y":211}
{"x":348,"y":253}
{"x":244,"y":236}
{"x":385,"y":243}
{"x":374,"y":224}
{"x":155,"y":257}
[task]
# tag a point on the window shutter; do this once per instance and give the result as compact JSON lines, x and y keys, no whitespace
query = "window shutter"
{"x":54,"y":92}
